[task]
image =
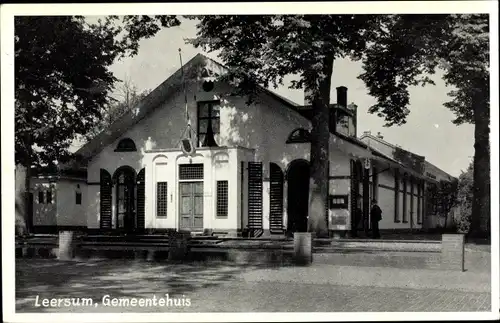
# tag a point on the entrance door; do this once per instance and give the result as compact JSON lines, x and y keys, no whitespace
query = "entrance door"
{"x":298,"y":195}
{"x":125,"y":199}
{"x":191,"y":206}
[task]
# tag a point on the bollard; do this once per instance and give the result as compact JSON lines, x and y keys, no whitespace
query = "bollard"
{"x":178,"y":246}
{"x":452,"y":252}
{"x":66,"y":245}
{"x":302,"y":251}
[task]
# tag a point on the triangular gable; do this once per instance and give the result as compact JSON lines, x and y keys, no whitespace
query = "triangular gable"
{"x":191,"y":70}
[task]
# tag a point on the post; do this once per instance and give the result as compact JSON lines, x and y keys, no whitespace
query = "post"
{"x":66,"y":245}
{"x":452,"y":252}
{"x":366,"y":200}
{"x":178,"y":246}
{"x":302,"y":248}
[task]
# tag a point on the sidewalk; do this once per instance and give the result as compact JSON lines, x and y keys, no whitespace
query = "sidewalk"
{"x":375,"y":277}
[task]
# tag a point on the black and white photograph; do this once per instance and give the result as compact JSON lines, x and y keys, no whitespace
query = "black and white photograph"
{"x":306,"y":161}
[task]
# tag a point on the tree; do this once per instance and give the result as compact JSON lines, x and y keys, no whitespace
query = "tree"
{"x":262,"y":50}
{"x":465,"y":199}
{"x":63,"y":81}
{"x":443,"y":196}
{"x":397,"y":51}
{"x":412,"y":50}
{"x":127,"y":98}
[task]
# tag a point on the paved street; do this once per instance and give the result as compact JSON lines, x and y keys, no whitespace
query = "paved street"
{"x":221,"y":287}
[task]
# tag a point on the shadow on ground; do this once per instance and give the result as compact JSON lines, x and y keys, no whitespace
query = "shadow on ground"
{"x":50,"y":278}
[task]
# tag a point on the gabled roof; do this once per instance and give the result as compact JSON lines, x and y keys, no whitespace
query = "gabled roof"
{"x":174,"y":83}
{"x":143,"y":108}
{"x":405,"y":156}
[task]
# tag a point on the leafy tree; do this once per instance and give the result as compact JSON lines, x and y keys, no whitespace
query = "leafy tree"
{"x":63,"y":82}
{"x":397,"y":51}
{"x":443,"y":197}
{"x":464,"y":199}
{"x":264,"y":49}
{"x":412,"y":49}
{"x":127,"y":97}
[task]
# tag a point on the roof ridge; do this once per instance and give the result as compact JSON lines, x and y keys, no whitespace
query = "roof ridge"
{"x":86,"y":149}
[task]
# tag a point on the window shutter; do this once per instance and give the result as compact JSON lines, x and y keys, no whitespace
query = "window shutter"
{"x":141,"y":178}
{"x":276,"y":199}
{"x":396,"y":196}
{"x":255,"y":198}
{"x":106,"y":187}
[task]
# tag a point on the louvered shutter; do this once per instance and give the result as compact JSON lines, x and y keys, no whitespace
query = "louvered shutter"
{"x":105,"y":205}
{"x":255,"y":198}
{"x":276,"y":199}
{"x":141,"y":177}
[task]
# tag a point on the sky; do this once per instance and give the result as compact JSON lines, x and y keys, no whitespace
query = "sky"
{"x":429,"y":130}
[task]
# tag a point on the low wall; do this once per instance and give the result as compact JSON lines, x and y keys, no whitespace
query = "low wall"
{"x":448,"y":254}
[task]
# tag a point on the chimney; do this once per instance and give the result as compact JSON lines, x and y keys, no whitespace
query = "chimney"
{"x":379,"y":135}
{"x":342,"y":96}
{"x":367,"y":133}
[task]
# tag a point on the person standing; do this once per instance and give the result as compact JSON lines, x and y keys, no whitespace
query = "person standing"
{"x":375,"y":217}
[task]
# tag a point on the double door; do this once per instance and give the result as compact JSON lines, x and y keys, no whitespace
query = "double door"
{"x":191,"y":206}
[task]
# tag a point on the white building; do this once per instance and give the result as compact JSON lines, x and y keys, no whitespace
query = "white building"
{"x":249,"y":170}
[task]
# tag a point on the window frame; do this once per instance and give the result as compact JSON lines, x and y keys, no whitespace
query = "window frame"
{"x":298,"y":136}
{"x":78,"y":198}
{"x":41,"y":197}
{"x":405,"y":198}
{"x":396,"y":196}
{"x":159,"y":199}
{"x":199,"y":172}
{"x":209,"y":117}
{"x":222,"y":202}
{"x":123,"y":147}
{"x":48,"y":197}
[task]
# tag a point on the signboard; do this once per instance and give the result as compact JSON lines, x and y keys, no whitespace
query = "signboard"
{"x":338,"y":219}
{"x":338,"y":201}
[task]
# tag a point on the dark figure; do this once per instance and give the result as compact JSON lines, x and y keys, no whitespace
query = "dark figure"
{"x":375,"y":217}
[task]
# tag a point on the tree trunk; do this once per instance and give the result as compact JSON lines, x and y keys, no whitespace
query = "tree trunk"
{"x":27,"y":200}
{"x":26,"y":224}
{"x":320,"y":135}
{"x":480,"y":218}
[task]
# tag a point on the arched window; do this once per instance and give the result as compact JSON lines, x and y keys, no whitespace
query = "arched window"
{"x":299,"y":135}
{"x":126,"y":144}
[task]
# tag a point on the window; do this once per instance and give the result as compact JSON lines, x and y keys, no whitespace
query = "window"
{"x":405,"y":192}
{"x":222,"y":198}
{"x":49,"y":197}
{"x":78,"y":198}
{"x":191,"y":171}
{"x":126,"y":144}
{"x":208,"y":113}
{"x":161,"y":199}
{"x":419,"y":202}
{"x":396,"y":197}
{"x":40,"y":197}
{"x":299,"y":135}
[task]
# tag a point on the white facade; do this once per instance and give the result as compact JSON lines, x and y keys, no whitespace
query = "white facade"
{"x":246,"y":133}
{"x":55,"y":201}
{"x":431,"y":173}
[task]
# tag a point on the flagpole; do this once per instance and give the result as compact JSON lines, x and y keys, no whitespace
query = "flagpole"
{"x":188,"y":121}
